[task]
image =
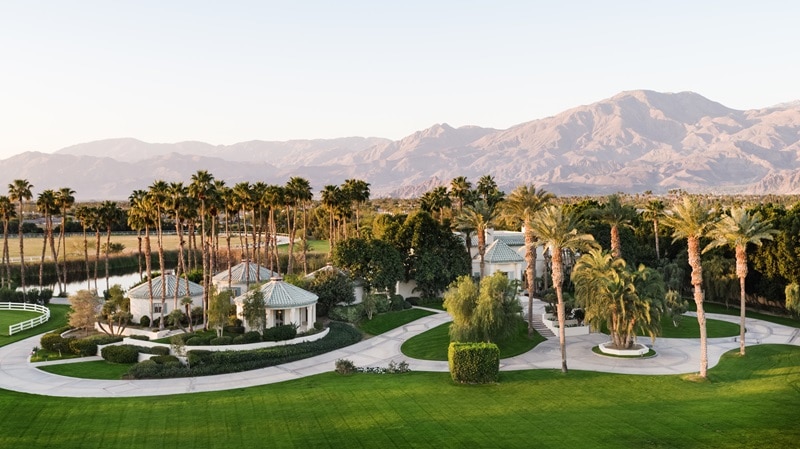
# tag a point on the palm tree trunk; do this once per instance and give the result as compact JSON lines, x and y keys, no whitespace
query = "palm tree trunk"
{"x":139,"y":252}
{"x":96,"y":255}
{"x":558,"y":280}
{"x":741,"y":273}
{"x":148,"y":262}
{"x":616,"y":245}
{"x":697,"y":283}
{"x":21,"y":253}
{"x":6,"y":254}
{"x":290,"y":225}
{"x":55,"y":254}
{"x":44,"y":251}
{"x":86,"y":259}
{"x":530,"y":274}
{"x":655,"y":231}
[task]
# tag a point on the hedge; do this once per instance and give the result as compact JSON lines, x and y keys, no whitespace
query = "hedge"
{"x":280,"y":333}
{"x":83,"y":347}
{"x":54,"y":342}
{"x":123,"y":353}
{"x":349,"y":314}
{"x":474,"y":363}
{"x":205,"y":363}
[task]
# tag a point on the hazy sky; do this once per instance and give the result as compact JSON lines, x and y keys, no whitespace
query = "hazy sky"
{"x":231,"y":71}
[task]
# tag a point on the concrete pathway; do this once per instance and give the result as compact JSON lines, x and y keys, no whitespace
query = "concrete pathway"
{"x":675,"y":356}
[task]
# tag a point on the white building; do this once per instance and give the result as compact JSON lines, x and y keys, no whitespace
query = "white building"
{"x":285,"y":303}
{"x":505,"y":251}
{"x":241,"y":277}
{"x":140,"y":296}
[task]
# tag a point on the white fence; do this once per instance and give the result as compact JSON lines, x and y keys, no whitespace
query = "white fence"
{"x":33,"y":322}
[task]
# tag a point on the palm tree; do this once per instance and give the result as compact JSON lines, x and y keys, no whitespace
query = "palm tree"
{"x":487,"y":189}
{"x":690,"y":220}
{"x":459,"y":190}
{"x":157,"y":195}
{"x":231,"y":209}
{"x":65,"y":198}
{"x":331,"y":195}
{"x":46,"y":204}
{"x":479,"y":217}
{"x":142,"y":216}
{"x":244,"y":198}
{"x":7,"y":213}
{"x":176,"y":197}
{"x":435,"y":201}
{"x":110,"y":214}
{"x":520,"y":206}
{"x":20,"y":190}
{"x":615,"y":214}
{"x":358,"y":191}
{"x":83,"y":215}
{"x":299,"y":189}
{"x":738,"y":230}
{"x":557,"y":230}
{"x":653,"y":211}
{"x":200,"y":188}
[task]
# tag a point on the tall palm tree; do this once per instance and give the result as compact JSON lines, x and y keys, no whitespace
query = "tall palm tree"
{"x":520,"y":206}
{"x":244,"y":198}
{"x":200,"y":188}
{"x":231,"y":209}
{"x":487,"y":189}
{"x":7,"y":213}
{"x":157,"y":195}
{"x":479,"y":216}
{"x":83,"y":215}
{"x":557,"y":230}
{"x":142,"y":216}
{"x":65,"y":199}
{"x":653,"y":211}
{"x":46,"y":205}
{"x":20,"y":190}
{"x":737,"y":230}
{"x":331,"y":195}
{"x":615,"y":214}
{"x":358,"y":192}
{"x":176,"y":197}
{"x":459,"y":190}
{"x":690,"y":220}
{"x":110,"y":214}
{"x":298,"y":192}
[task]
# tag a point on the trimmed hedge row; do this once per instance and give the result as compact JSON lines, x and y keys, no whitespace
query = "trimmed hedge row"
{"x":474,"y":363}
{"x":54,"y":342}
{"x":205,"y":363}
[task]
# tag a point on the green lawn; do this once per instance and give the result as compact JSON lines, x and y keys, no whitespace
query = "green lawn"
{"x":58,"y":318}
{"x":432,"y":345}
{"x":10,"y":317}
{"x":385,"y":322}
{"x":689,"y":328}
{"x":720,"y":308}
{"x":99,"y":369}
{"x":750,"y":402}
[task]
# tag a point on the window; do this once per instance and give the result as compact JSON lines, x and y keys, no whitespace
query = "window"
{"x":278,"y":317}
{"x":157,"y":308}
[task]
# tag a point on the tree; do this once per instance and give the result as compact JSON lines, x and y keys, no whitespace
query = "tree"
{"x":331,"y":287}
{"x":20,"y":191}
{"x":83,"y":310}
{"x":200,"y":189}
{"x":115,"y":313}
{"x":487,"y":189}
{"x":157,"y":196}
{"x":187,"y":303}
{"x":46,"y":204}
{"x":141,"y":215}
{"x":520,"y":206}
{"x":110,"y":214}
{"x":65,"y":198}
{"x":331,"y":197}
{"x":459,"y":190}
{"x":488,"y":312}
{"x":358,"y":192}
{"x":616,"y":215}
{"x":653,"y":211}
{"x":737,"y":230}
{"x":435,"y":201}
{"x":7,"y":213}
{"x":690,"y":220}
{"x":219,"y":309}
{"x":375,"y":262}
{"x":298,"y":194}
{"x":627,"y":302}
{"x":557,"y":230}
{"x":479,"y":216}
{"x":254,"y":310}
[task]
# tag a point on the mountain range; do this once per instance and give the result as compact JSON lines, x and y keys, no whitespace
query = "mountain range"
{"x":632,"y":142}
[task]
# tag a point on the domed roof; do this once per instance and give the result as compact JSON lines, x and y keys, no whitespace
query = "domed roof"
{"x":239,"y":273}
{"x":279,"y":294}
{"x":167,"y":282}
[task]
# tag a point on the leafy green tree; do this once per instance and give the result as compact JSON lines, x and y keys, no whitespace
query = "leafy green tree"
{"x":254,"y":310}
{"x":460,"y":301}
{"x":479,"y":216}
{"x":486,"y":312}
{"x":737,"y":230}
{"x":83,"y":307}
{"x":375,"y":262}
{"x":332,"y":287}
{"x":115,"y":313}
{"x":219,"y":309}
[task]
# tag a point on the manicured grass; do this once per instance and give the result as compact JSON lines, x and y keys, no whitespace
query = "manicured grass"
{"x":43,"y":355}
{"x":11,"y":317}
{"x":58,"y":318}
{"x":391,"y":320}
{"x":720,"y":308}
{"x":98,"y":369}
{"x":432,"y":345}
{"x":688,"y":328}
{"x":750,"y":402}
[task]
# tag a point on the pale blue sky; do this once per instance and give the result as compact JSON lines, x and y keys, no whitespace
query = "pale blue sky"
{"x":225,"y":72}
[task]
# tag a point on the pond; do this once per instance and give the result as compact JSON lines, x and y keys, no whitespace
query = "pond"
{"x":126,"y":281}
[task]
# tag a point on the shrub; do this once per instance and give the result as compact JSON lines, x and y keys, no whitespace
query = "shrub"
{"x":162,"y":359}
{"x":474,"y":363}
{"x":413,"y":300}
{"x":140,"y":337}
{"x":318,"y":325}
{"x":397,"y":302}
{"x":197,"y":357}
{"x":349,"y":314}
{"x":221,"y":341}
{"x":122,"y":353}
{"x":251,"y":337}
{"x":83,"y":347}
{"x":197,"y":341}
{"x":105,"y":339}
{"x":159,"y":350}
{"x":238,"y":340}
{"x":234,"y":329}
{"x":280,"y":333}
{"x":56,"y":343}
{"x":407,"y":305}
{"x":144,"y":321}
{"x":345,"y":367}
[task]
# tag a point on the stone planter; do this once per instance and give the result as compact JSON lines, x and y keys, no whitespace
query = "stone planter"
{"x":571,"y":328}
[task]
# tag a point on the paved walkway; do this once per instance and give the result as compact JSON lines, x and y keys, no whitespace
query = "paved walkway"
{"x":675,"y":356}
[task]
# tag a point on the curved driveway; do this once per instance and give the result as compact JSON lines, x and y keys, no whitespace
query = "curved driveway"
{"x":674,"y":356}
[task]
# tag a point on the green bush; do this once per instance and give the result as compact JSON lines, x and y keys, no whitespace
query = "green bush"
{"x":345,"y":367}
{"x":238,"y":340}
{"x":221,"y":341}
{"x":144,"y":321}
{"x":413,"y":300}
{"x":197,"y":341}
{"x":140,"y":337}
{"x":162,"y":359}
{"x":234,"y":329}
{"x":122,"y":353}
{"x":349,"y":314}
{"x":159,"y":350}
{"x":83,"y":347}
{"x":251,"y":337}
{"x":105,"y":339}
{"x":197,"y":356}
{"x":397,"y":302}
{"x":382,"y":304}
{"x":474,"y":363}
{"x":280,"y":333}
{"x":318,"y":325}
{"x":56,"y":343}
